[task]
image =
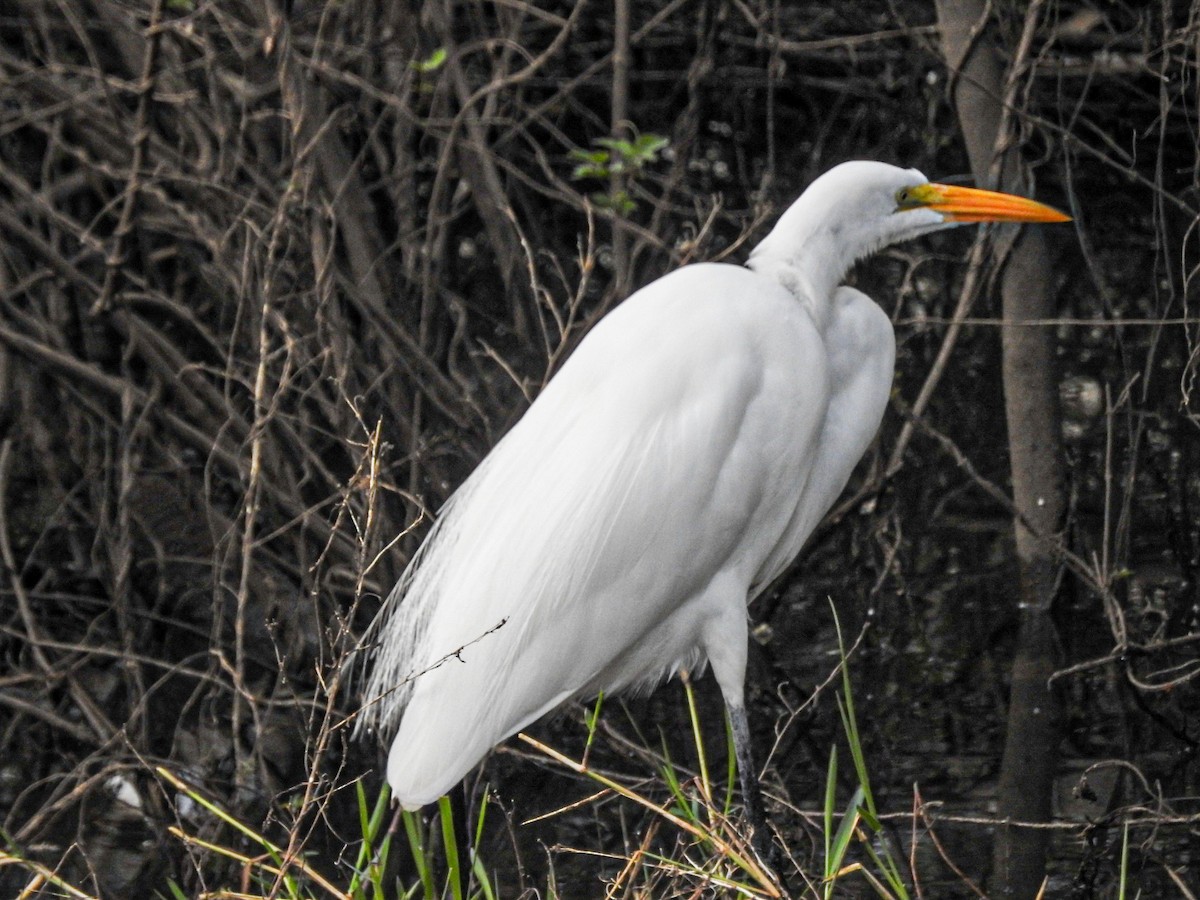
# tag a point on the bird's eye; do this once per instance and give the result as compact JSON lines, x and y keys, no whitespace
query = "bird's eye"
{"x":903,"y":198}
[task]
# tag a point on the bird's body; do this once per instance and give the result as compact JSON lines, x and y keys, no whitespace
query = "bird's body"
{"x":667,"y":473}
{"x":702,"y":400}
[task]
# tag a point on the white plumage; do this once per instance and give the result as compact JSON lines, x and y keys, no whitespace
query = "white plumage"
{"x":672,"y":468}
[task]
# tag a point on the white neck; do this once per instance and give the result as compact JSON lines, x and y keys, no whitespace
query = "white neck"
{"x":809,"y":261}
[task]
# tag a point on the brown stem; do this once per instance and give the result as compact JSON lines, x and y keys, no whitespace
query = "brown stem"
{"x":141,"y":135}
{"x":620,"y":129}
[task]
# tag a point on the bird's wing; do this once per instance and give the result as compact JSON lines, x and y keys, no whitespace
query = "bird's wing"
{"x":861,"y":346}
{"x":672,"y":446}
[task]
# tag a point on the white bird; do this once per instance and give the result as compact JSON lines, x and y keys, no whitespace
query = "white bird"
{"x":664,"y":477}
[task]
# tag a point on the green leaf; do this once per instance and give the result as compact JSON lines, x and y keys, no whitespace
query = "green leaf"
{"x":598,"y":157}
{"x":431,"y":63}
{"x":617,"y":156}
{"x":618,"y":146}
{"x":619,"y":202}
{"x":589,"y":170}
{"x":593,"y":164}
{"x":648,"y":145}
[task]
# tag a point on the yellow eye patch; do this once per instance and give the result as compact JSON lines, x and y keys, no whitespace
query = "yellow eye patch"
{"x":963,"y":204}
{"x":918,"y":196}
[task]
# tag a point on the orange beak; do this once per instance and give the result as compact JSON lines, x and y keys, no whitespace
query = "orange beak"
{"x":964,"y":204}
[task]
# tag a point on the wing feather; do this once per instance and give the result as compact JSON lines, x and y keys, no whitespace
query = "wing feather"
{"x":861,"y":347}
{"x":672,"y":446}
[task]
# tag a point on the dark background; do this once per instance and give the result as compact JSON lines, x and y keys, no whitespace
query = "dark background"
{"x":270,"y":287}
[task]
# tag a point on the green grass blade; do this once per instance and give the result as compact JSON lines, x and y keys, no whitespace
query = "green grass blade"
{"x":478,"y":872}
{"x":420,"y":859}
{"x":368,"y":869}
{"x":883,"y":860}
{"x":860,"y":763}
{"x":841,"y":841}
{"x":830,"y":799}
{"x":730,"y":766}
{"x":481,"y":876}
{"x":483,"y":807}
{"x":705,"y":783}
{"x":850,"y":725}
{"x":850,"y":820}
{"x":671,"y":777}
{"x":451,"y":848}
{"x":593,"y":720}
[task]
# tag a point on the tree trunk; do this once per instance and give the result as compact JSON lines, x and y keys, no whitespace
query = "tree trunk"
{"x":1031,"y":407}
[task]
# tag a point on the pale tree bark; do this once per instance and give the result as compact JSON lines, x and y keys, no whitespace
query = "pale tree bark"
{"x":982,"y":93}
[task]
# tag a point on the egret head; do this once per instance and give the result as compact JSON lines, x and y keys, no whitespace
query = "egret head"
{"x":859,"y":207}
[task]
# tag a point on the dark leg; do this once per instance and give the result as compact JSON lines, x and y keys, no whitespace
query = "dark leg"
{"x":760,"y":837}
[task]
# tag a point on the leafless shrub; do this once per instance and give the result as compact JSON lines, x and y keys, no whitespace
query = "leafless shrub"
{"x":271,"y":283}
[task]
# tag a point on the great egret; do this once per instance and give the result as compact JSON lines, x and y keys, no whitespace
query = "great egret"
{"x":667,"y":473}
